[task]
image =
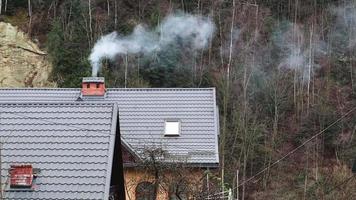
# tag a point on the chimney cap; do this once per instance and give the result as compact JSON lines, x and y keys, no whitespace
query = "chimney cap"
{"x":93,"y":80}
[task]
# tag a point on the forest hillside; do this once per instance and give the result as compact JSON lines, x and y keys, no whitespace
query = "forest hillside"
{"x":284,"y":72}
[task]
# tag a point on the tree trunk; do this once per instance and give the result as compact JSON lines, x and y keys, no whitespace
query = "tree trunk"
{"x":115,"y":15}
{"x":30,"y":15}
{"x":108,"y":2}
{"x":226,"y":96}
{"x":231,"y":39}
{"x":221,"y":40}
{"x":237,"y":184}
{"x":55,"y":9}
{"x":310,"y":66}
{"x":90,"y":23}
{"x":244,"y":175}
{"x":306,"y":174}
{"x":351,"y":33}
{"x":211,"y":41}
{"x":182,"y":4}
{"x":126,"y":68}
{"x":295,"y":70}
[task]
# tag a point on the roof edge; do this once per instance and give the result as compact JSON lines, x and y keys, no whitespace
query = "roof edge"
{"x":114,"y":123}
{"x":216,"y":126}
{"x":130,"y":149}
{"x":195,"y":165}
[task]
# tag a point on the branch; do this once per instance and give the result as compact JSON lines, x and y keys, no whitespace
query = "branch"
{"x":29,"y":50}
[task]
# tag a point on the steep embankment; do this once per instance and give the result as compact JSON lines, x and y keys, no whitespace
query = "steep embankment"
{"x":22,"y":63}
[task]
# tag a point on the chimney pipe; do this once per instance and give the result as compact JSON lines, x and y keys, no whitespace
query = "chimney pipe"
{"x":93,"y":86}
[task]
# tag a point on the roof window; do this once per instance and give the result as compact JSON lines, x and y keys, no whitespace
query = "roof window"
{"x":172,"y":128}
{"x":21,"y":176}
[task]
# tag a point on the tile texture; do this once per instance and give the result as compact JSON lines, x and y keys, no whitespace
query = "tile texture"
{"x":142,"y":116}
{"x":70,"y":143}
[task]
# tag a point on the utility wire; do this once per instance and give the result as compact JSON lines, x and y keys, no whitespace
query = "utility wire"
{"x":292,"y":151}
{"x":297,"y":148}
{"x":340,"y":184}
{"x":327,"y":193}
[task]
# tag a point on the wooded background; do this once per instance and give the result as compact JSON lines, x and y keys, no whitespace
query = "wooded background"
{"x":284,"y":70}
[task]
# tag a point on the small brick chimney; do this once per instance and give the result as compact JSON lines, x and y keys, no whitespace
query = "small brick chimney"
{"x":93,"y":86}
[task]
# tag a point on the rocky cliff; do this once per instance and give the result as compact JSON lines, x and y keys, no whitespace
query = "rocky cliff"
{"x":22,"y":63}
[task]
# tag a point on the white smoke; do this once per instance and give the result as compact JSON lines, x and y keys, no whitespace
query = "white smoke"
{"x":299,"y":53}
{"x":343,"y":30}
{"x":190,"y":30}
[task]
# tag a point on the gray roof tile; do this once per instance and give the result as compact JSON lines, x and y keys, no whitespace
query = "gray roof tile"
{"x":143,"y":112}
{"x":71,"y":147}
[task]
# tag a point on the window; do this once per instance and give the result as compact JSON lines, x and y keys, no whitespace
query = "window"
{"x":145,"y":191}
{"x":172,"y":128}
{"x":88,"y":85}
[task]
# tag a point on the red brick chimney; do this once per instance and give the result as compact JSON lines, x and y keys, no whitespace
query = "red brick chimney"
{"x":93,"y":86}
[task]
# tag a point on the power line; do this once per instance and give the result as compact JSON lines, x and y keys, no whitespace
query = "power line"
{"x":292,"y":151}
{"x":327,"y":193}
{"x":297,"y":148}
{"x":340,"y":184}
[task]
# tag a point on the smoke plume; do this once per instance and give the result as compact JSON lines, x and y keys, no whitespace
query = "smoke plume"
{"x":300,"y":50}
{"x":343,"y":32}
{"x":188,"y":30}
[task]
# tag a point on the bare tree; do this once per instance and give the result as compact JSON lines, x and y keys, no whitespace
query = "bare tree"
{"x":174,"y":175}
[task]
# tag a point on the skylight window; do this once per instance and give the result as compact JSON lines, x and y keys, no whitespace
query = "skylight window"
{"x":172,"y":128}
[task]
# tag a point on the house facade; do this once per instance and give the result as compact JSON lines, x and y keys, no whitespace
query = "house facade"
{"x":169,"y":136}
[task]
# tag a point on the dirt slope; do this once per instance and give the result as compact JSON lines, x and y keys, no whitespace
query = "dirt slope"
{"x":22,"y":63}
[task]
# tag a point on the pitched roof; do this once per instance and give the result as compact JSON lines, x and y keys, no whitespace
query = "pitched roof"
{"x":70,"y":143}
{"x":143,"y":113}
